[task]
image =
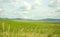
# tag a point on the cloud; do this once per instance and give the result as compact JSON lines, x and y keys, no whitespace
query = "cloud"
{"x":38,"y":2}
{"x":27,"y":5}
{"x":23,"y":9}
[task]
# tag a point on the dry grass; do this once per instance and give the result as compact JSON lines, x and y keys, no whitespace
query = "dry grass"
{"x":11,"y":34}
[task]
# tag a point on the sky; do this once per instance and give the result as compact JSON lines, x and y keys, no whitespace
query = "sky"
{"x":30,"y":9}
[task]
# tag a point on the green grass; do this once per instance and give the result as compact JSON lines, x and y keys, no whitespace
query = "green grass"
{"x":24,"y":28}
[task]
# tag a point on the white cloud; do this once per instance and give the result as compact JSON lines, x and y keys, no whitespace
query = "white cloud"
{"x":27,"y":5}
{"x":38,"y":2}
{"x":12,"y":10}
{"x":26,"y":12}
{"x":1,"y":9}
{"x":16,"y":3}
{"x":25,"y":17}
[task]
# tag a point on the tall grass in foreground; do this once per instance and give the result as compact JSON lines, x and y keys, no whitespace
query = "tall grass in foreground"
{"x":18,"y":30}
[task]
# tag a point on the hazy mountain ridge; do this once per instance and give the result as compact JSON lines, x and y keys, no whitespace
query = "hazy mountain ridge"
{"x":47,"y":19}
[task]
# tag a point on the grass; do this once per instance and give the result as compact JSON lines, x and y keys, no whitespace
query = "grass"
{"x":10,"y":28}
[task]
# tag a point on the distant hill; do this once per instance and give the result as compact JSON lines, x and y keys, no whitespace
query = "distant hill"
{"x":49,"y":19}
{"x":15,"y":19}
{"x":44,"y":20}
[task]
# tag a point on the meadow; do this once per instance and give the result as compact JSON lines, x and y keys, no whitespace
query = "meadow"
{"x":10,"y":28}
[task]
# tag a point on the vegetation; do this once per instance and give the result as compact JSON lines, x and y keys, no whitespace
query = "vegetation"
{"x":11,"y":28}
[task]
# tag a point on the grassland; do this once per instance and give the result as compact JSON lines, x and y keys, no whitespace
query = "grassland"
{"x":10,"y":28}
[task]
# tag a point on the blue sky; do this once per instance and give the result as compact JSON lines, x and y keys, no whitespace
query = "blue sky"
{"x":29,"y":9}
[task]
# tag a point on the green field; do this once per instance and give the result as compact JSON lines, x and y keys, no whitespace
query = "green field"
{"x":10,"y":28}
